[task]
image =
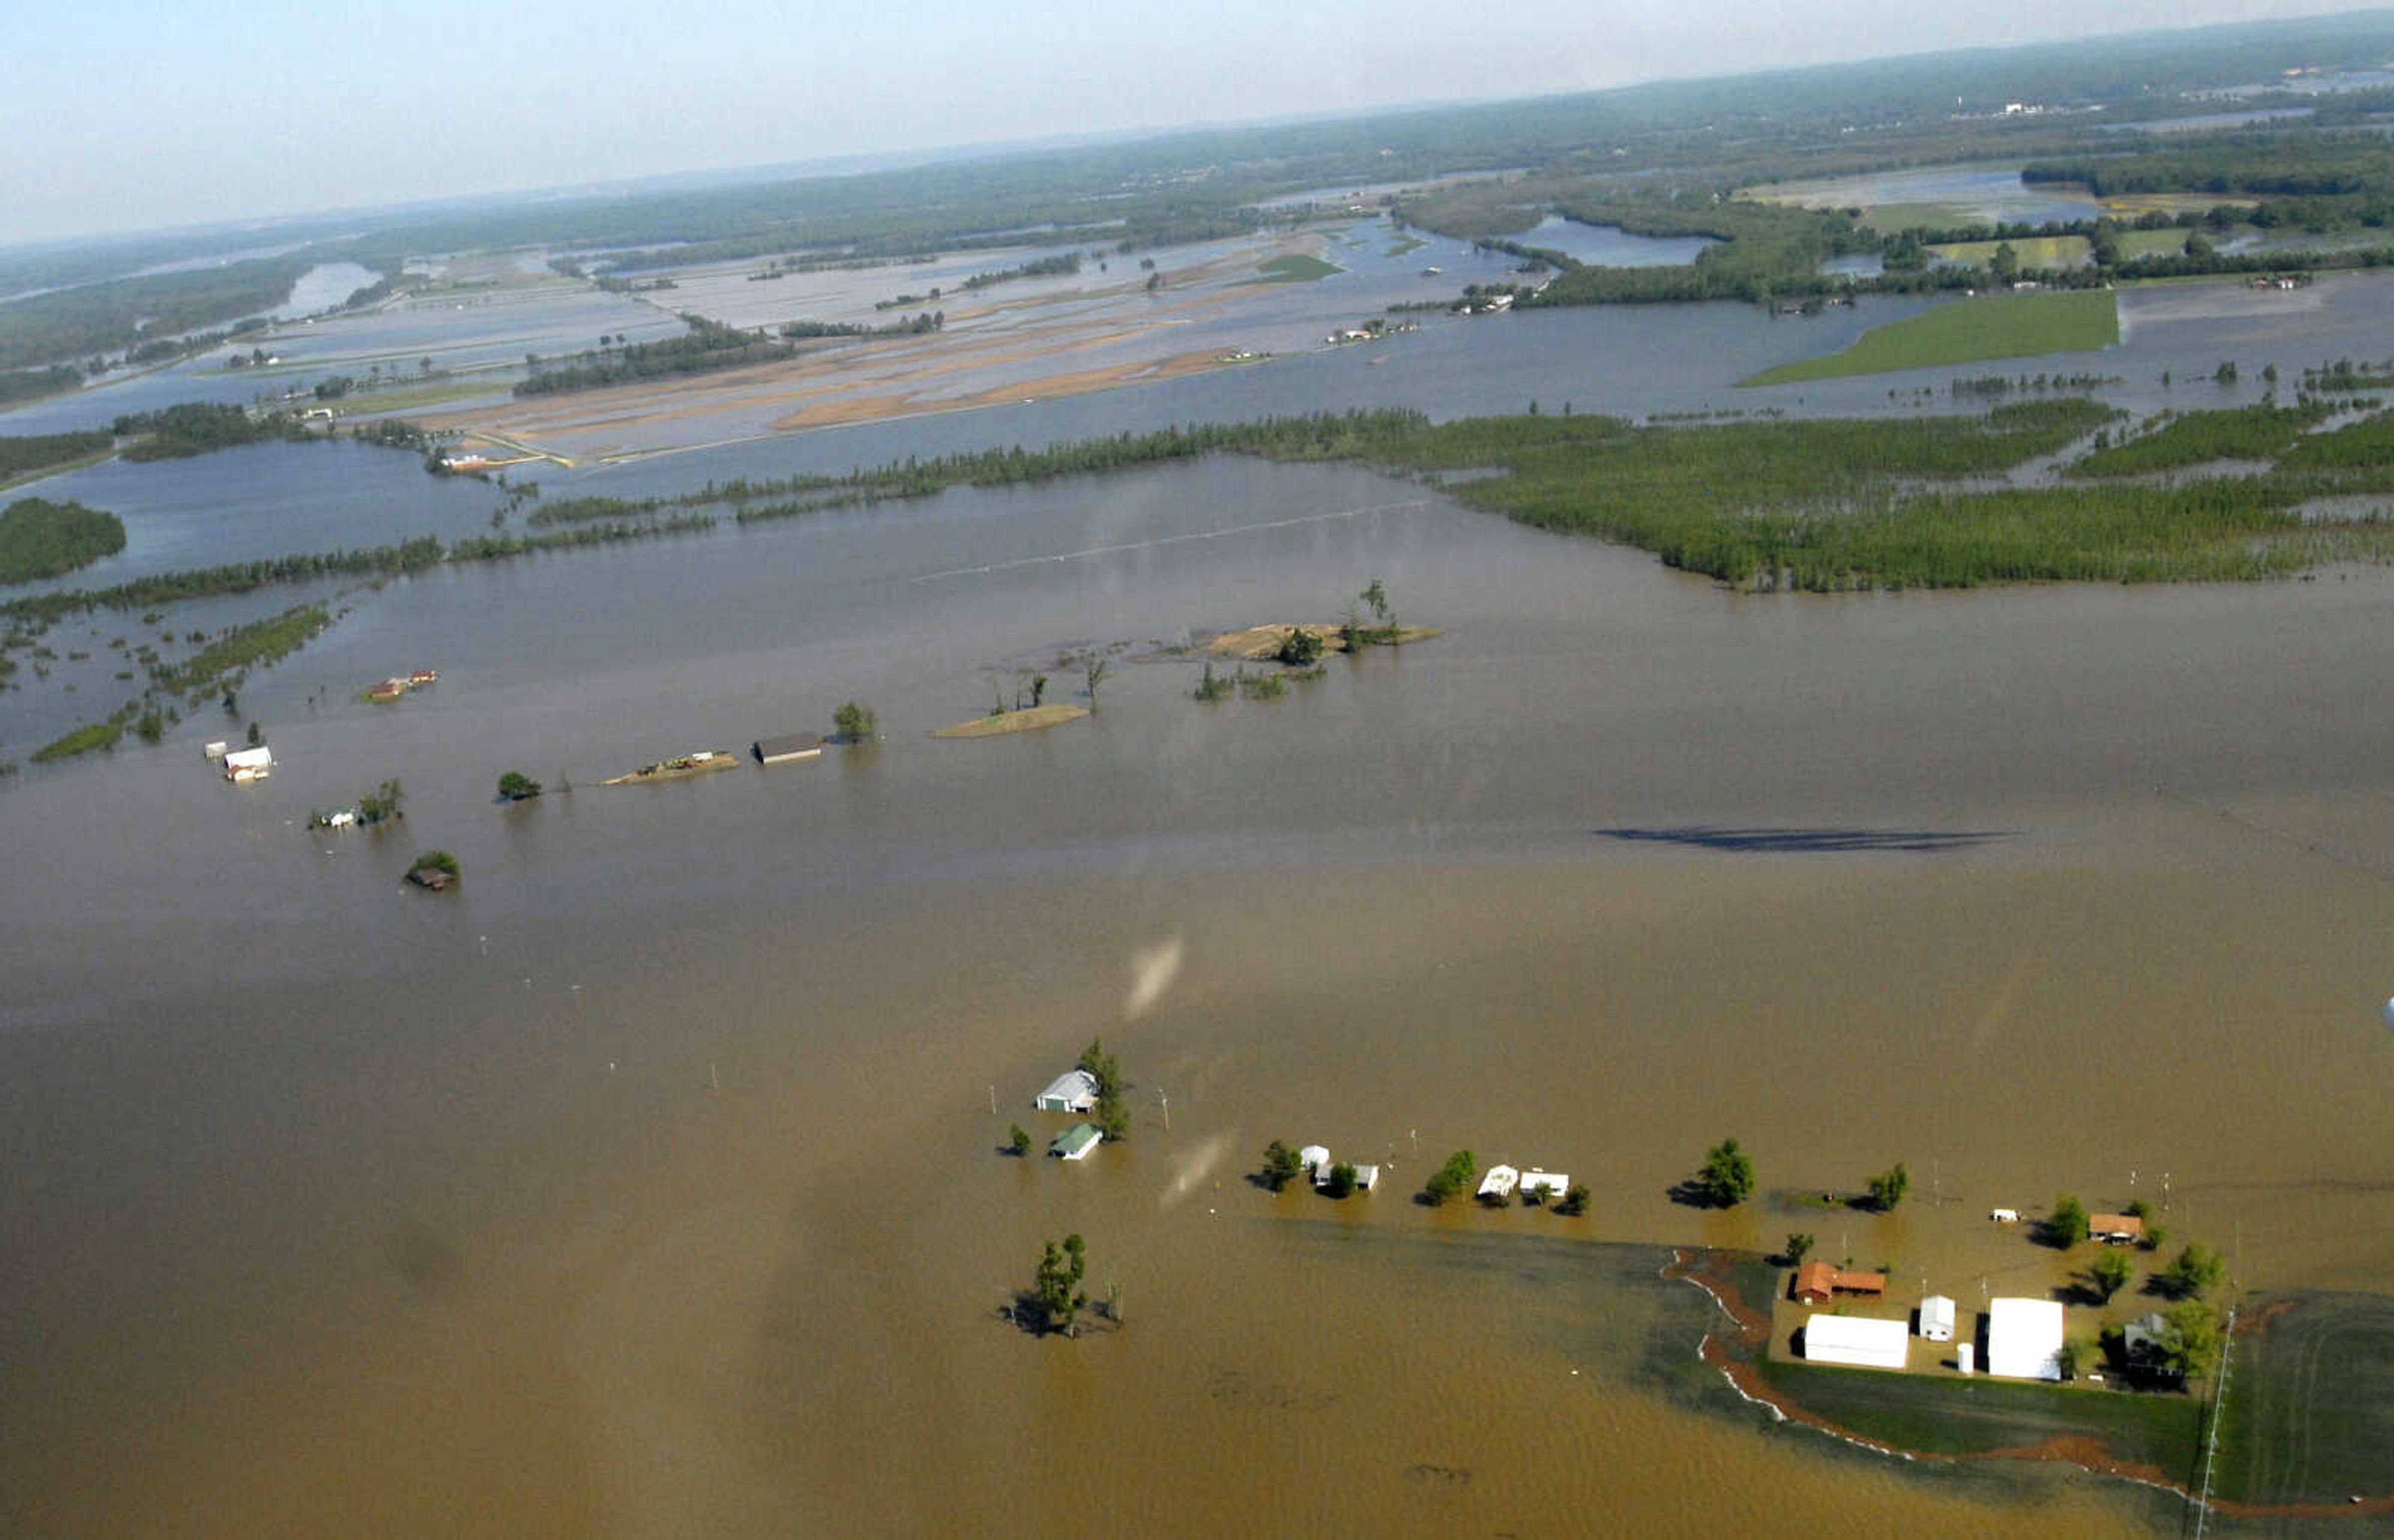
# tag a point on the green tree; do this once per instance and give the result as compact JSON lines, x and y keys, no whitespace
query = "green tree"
{"x":1094,"y":669}
{"x":2005,"y":265}
{"x":2191,"y":1339}
{"x":516,"y":786}
{"x":1888,"y":1188}
{"x":2108,"y":1273}
{"x":1056,"y":1288}
{"x":381,"y":805}
{"x":1726,"y":1179}
{"x":1114,"y":1110}
{"x":1574,"y":1201}
{"x":1451,"y":1178}
{"x":2066,"y":1225}
{"x":854,"y":723}
{"x":1799,"y":1245}
{"x":2196,"y":1269}
{"x":1300,"y":648}
{"x":1281,"y":1166}
{"x":1376,"y":595}
{"x":1019,"y":1140}
{"x":1342,"y":1181}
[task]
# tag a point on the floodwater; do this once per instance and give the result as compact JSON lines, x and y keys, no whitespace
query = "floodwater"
{"x":647,"y":1184}
{"x":1611,"y":247}
{"x":1991,"y":192}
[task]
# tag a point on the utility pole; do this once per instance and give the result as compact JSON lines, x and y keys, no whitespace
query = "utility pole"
{"x":993,"y":1098}
{"x":1165,"y":1097}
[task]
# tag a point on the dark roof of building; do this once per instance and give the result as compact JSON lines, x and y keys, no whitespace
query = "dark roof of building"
{"x":787,"y":746}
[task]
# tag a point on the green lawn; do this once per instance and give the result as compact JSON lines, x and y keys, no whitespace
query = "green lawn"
{"x":2005,"y":325}
{"x":1941,"y":1414}
{"x":1297,"y":269}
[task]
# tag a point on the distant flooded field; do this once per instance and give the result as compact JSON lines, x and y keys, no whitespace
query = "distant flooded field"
{"x":650,"y":1183}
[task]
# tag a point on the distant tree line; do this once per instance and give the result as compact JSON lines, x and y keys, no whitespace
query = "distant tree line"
{"x":706,"y":347}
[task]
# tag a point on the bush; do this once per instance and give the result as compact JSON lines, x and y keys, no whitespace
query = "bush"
{"x":1302,"y":647}
{"x":516,"y":786}
{"x":854,"y":723}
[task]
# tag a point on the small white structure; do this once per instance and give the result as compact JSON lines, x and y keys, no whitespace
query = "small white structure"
{"x":214,"y":751}
{"x":1554,"y":1183}
{"x":1315,"y":1158}
{"x":1074,"y":1143}
{"x":341,"y":818}
{"x":249,"y":764}
{"x":1854,"y":1340}
{"x":1073,"y":1091}
{"x":1937,"y":1319}
{"x":1499,"y":1182}
{"x":2004,"y":1216}
{"x":2024,"y":1339}
{"x":1965,"y":1358}
{"x":1366,"y":1177}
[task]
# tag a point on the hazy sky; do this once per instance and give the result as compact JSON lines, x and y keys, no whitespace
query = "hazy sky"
{"x":138,"y":114}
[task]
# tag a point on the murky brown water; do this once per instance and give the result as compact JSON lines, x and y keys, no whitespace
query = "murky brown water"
{"x":331,"y":1208}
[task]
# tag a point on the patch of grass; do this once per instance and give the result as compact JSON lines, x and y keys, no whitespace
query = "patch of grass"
{"x":1298,"y":269}
{"x":2035,"y":251}
{"x":2008,"y":326}
{"x":1941,"y":1415}
{"x":83,"y":740}
{"x":1404,"y":246}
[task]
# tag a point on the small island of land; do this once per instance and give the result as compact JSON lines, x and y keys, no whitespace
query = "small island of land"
{"x":1028,"y":719}
{"x":705,"y":762}
{"x":1262,"y":643}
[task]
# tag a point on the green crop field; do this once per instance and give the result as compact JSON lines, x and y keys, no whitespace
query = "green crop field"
{"x":2035,"y":251}
{"x":1297,"y":269}
{"x":2005,"y":325}
{"x":2308,"y":1415}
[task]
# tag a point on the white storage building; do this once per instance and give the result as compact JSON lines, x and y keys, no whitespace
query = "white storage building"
{"x":1073,"y":1091}
{"x":1856,"y":1340}
{"x":1937,"y":1319}
{"x":1499,"y":1182}
{"x":2024,"y":1339}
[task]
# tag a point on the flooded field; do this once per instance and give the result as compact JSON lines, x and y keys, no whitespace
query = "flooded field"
{"x":648,"y":1183}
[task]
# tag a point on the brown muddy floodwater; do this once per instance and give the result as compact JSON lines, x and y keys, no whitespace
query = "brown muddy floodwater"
{"x":648,"y":1185}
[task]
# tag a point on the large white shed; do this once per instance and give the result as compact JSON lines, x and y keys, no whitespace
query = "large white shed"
{"x":1937,"y":1319}
{"x":1857,"y":1340}
{"x":1073,"y":1091}
{"x":2024,"y":1339}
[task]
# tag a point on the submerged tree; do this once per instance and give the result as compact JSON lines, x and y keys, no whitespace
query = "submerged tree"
{"x":854,"y":723}
{"x":1888,"y":1188}
{"x":1114,"y":1110}
{"x":1726,"y":1179}
{"x":2066,"y":1225}
{"x":1281,"y":1166}
{"x":1056,"y":1288}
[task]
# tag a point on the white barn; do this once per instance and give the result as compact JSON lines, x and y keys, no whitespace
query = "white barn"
{"x":2024,"y":1339}
{"x":1073,"y":1091}
{"x":1852,"y":1340}
{"x":1937,"y":1319}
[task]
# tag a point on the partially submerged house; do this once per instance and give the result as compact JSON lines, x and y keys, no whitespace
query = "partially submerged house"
{"x":787,"y":749}
{"x":1552,"y":1183}
{"x":1499,"y":1183}
{"x":1858,"y":1342}
{"x":244,"y":765}
{"x":1818,"y":1282}
{"x":1074,"y":1143}
{"x":1366,"y":1177}
{"x":1937,"y":1319}
{"x":2024,"y":1339}
{"x":2118,"y":1230}
{"x":1315,"y":1158}
{"x":1073,"y":1091}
